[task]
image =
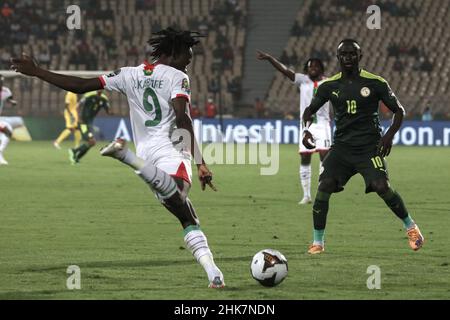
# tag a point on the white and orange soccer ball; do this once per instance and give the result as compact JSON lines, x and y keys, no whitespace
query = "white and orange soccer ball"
{"x":269,"y":267}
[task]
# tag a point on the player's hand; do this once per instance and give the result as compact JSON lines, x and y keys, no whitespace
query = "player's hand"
{"x":385,"y":145}
{"x":260,"y":55}
{"x":308,"y":140}
{"x":205,"y":177}
{"x":25,"y":65}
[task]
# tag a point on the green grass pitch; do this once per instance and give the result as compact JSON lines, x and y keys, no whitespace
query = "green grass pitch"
{"x":103,"y":218}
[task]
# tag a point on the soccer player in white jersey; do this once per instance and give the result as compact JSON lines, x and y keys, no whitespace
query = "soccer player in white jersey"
{"x":158,"y":96}
{"x":308,"y":82}
{"x":5,"y":127}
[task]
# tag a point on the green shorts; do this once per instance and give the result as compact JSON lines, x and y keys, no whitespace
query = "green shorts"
{"x":342,"y":162}
{"x":86,"y":131}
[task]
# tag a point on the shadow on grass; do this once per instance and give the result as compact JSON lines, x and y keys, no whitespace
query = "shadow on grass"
{"x":126,"y":263}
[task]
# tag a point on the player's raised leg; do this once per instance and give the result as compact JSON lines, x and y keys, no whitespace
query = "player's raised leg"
{"x":396,"y":204}
{"x":63,"y":136}
{"x":173,"y":194}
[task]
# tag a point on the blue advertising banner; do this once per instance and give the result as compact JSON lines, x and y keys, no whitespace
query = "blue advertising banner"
{"x":412,"y":133}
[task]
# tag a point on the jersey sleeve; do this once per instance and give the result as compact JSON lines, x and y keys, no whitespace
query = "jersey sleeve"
{"x":321,"y":97}
{"x":115,"y":81}
{"x":388,"y":97}
{"x":300,"y":78}
{"x":181,"y":87}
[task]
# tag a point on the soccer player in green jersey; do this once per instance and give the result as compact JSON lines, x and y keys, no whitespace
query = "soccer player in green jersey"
{"x":92,"y":103}
{"x":359,"y":146}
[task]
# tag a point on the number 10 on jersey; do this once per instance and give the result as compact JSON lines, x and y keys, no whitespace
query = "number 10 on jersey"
{"x":351,"y":106}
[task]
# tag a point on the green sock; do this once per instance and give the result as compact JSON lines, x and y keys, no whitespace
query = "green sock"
{"x":408,"y":222}
{"x":191,"y":228}
{"x":319,"y":236}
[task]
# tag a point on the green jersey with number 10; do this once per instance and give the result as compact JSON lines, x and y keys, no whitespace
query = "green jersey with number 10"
{"x":355,"y":103}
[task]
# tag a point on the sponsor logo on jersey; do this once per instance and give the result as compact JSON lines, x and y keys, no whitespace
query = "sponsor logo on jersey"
{"x":365,"y":92}
{"x":336,"y":93}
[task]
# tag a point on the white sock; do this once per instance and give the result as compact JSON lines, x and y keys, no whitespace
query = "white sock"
{"x":132,"y":160}
{"x":158,"y":180}
{"x":305,"y":179}
{"x":320,"y":168}
{"x":4,"y":140}
{"x":196,"y":242}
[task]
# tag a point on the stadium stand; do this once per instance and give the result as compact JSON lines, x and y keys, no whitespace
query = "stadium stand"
{"x":114,"y":34}
{"x":409,"y":51}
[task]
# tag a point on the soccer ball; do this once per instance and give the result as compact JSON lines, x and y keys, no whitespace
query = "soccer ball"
{"x":269,"y":267}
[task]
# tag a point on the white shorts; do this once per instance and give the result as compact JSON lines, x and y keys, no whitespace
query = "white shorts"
{"x":322,"y":136}
{"x":167,"y":158}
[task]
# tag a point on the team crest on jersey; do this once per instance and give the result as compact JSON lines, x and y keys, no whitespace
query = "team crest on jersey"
{"x":185,"y":85}
{"x":365,"y":92}
{"x":148,"y":69}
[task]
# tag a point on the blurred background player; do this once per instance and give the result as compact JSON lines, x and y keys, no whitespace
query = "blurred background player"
{"x":6,"y":129}
{"x":308,"y":82}
{"x":91,"y":104}
{"x":71,"y":117}
{"x":158,"y":95}
{"x":359,"y":146}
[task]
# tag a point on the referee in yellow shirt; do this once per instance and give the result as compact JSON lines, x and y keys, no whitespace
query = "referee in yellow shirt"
{"x":71,"y":116}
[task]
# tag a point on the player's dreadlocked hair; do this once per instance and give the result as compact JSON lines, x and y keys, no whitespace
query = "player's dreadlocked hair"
{"x":171,"y":42}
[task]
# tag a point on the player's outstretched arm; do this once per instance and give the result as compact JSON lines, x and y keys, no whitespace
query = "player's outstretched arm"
{"x":26,"y":65}
{"x":260,"y":55}
{"x":12,"y":101}
{"x":184,"y":121}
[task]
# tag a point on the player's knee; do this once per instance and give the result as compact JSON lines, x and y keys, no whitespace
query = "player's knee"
{"x":328,"y":185}
{"x":92,"y":142}
{"x":305,"y":159}
{"x":381,"y":187}
{"x":178,"y":200}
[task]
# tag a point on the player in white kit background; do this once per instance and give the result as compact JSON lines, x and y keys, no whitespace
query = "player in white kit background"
{"x":6,"y":128}
{"x":158,"y":95}
{"x":308,"y":82}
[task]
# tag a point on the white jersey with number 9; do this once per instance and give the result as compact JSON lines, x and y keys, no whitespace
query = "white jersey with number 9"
{"x":150,"y":89}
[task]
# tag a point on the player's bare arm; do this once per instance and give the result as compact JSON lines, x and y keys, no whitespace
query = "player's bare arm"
{"x":260,"y":55}
{"x":12,"y":101}
{"x":27,"y":66}
{"x":184,"y":121}
{"x":385,"y":145}
{"x":308,"y":140}
{"x":317,"y":102}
